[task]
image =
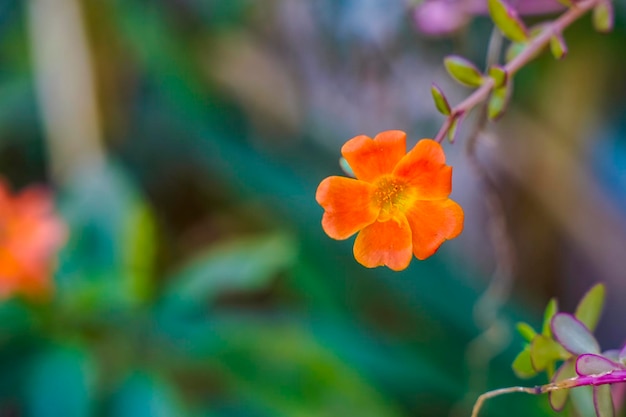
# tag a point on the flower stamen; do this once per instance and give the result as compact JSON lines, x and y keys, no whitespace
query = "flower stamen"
{"x":390,"y":196}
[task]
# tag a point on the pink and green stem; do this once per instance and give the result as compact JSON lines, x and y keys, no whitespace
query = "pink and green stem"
{"x":613,"y":377}
{"x":528,"y":54}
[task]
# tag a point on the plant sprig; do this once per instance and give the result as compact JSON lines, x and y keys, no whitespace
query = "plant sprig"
{"x":527,"y":44}
{"x":567,"y":339}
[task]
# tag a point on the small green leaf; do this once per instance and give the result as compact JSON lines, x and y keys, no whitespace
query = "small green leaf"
{"x":558,"y":47}
{"x":603,"y":17}
{"x":463,"y":71}
{"x":567,"y":3}
{"x":544,"y":352}
{"x":452,"y":131}
{"x":558,"y":398}
{"x":507,"y":20}
{"x":499,"y":74}
{"x":527,"y":332}
{"x":590,"y":307}
{"x":440,"y":100}
{"x":498,"y":101}
{"x":551,"y":309}
{"x":523,"y":366}
{"x":454,"y":126}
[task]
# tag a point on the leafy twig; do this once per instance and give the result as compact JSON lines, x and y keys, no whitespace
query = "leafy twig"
{"x":530,"y":51}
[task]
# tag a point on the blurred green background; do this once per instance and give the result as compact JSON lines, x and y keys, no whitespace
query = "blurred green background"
{"x":185,"y":140}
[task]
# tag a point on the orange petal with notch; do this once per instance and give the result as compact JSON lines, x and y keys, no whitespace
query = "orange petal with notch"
{"x":371,"y":158}
{"x":348,"y":206}
{"x":424,"y":167}
{"x":385,"y":243}
{"x":433,"y":222}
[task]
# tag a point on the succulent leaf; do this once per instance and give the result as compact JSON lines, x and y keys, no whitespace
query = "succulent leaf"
{"x":603,"y":17}
{"x":527,"y":332}
{"x":590,"y":364}
{"x":573,"y":335}
{"x":499,"y":74}
{"x":522,"y":365}
{"x":463,"y":71}
{"x":440,"y":100}
{"x":558,"y":47}
{"x":590,"y":306}
{"x":508,"y":21}
{"x":498,"y":101}
{"x":559,"y":398}
{"x":603,"y":401}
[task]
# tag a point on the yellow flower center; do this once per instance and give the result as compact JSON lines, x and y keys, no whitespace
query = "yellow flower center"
{"x":392,"y":195}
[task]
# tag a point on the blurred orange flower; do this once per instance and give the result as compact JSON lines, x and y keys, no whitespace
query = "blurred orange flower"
{"x":398,"y":202}
{"x":30,"y":236}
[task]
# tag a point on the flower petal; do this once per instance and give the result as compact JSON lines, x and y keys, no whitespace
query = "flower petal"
{"x":348,"y":206}
{"x":371,"y":158}
{"x":385,"y":243}
{"x":424,"y":167}
{"x":432,"y":222}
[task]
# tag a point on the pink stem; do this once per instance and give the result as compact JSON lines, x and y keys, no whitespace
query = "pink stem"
{"x":612,"y":377}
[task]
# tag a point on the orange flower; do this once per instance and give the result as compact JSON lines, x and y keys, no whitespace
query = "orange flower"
{"x":398,"y":202}
{"x":30,"y":236}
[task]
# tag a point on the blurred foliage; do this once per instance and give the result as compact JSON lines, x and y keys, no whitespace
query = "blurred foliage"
{"x":197,"y":280}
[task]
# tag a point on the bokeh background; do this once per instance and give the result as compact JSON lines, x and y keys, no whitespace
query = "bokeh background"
{"x":184,"y":141}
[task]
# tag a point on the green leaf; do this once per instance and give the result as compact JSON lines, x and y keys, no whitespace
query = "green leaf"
{"x":551,"y":309}
{"x":440,"y":100}
{"x":544,"y":352}
{"x":454,"y":126}
{"x":507,"y":20}
{"x":523,"y":366}
{"x":243,"y":264}
{"x":463,"y":71}
{"x":567,"y":3}
{"x":527,"y":332}
{"x":498,"y":101}
{"x":590,"y":307}
{"x":558,"y":398}
{"x":558,"y":47}
{"x":499,"y":75}
{"x":61,"y":384}
{"x":603,"y":17}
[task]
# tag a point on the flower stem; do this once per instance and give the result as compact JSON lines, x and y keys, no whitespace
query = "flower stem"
{"x":613,"y":377}
{"x":531,"y":50}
